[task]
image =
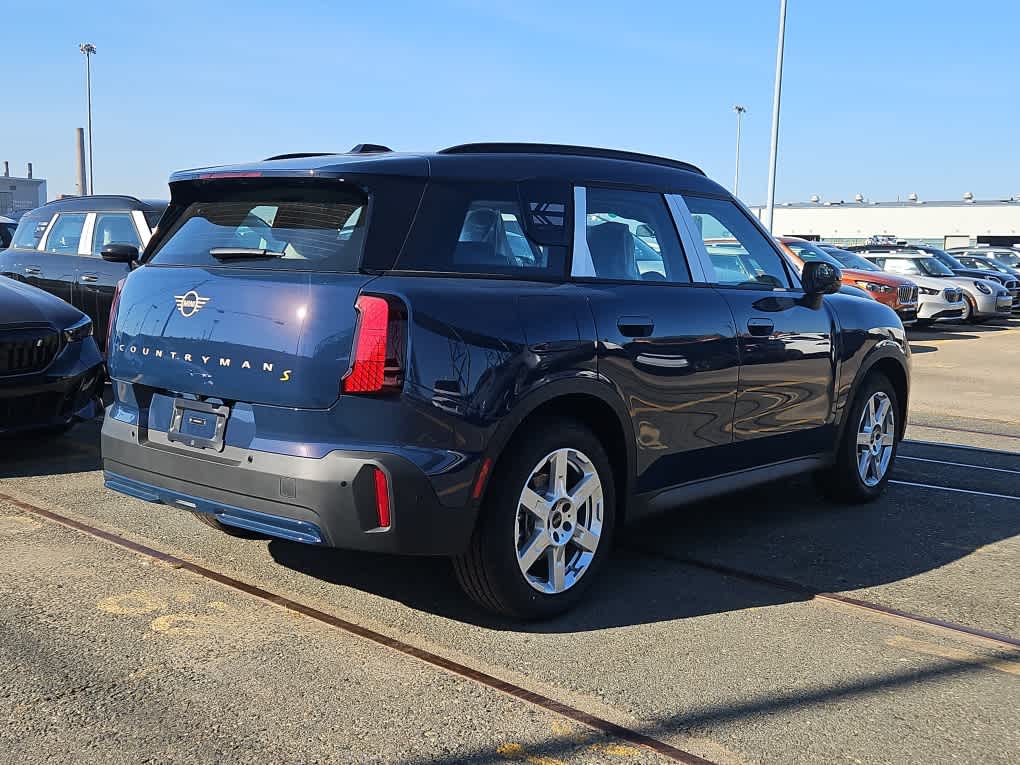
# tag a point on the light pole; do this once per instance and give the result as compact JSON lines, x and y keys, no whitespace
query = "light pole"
{"x":89,"y":50}
{"x":770,"y":203}
{"x":736,"y":167}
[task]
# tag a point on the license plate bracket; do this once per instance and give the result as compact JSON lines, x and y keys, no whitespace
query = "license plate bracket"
{"x":198,"y":424}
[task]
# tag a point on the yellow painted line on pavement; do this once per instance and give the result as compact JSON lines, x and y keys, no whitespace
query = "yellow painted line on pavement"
{"x":954,"y":654}
{"x":518,"y":752}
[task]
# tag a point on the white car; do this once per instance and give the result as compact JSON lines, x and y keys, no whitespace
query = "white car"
{"x":942,"y":294}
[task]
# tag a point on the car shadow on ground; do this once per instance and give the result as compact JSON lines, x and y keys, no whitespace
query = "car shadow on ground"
{"x":76,"y":451}
{"x":781,"y":530}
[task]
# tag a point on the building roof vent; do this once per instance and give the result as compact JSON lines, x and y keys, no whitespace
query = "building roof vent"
{"x":859,"y":198}
{"x":968,"y":197}
{"x":815,"y":198}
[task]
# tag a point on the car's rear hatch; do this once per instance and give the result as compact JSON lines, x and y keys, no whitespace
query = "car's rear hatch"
{"x":248,"y":293}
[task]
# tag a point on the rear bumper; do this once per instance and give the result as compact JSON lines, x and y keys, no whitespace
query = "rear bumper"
{"x":328,"y":501}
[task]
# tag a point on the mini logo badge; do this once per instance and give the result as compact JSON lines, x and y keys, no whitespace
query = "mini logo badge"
{"x":190,"y":303}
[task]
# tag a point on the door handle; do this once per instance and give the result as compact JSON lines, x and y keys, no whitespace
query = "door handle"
{"x":635,"y":326}
{"x":32,"y":270}
{"x":760,"y":327}
{"x":88,"y":278}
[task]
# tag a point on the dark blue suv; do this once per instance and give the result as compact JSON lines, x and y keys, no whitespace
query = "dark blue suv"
{"x":494,"y":352}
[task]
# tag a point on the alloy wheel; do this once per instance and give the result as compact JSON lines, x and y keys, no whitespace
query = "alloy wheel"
{"x":559,"y":521}
{"x":876,"y":439}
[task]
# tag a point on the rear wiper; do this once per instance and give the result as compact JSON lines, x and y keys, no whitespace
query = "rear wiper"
{"x":239,"y":253}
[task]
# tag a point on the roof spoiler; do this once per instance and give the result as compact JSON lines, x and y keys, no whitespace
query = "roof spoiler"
{"x":361,"y":148}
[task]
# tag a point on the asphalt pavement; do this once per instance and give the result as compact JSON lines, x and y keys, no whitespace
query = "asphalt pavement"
{"x":109,"y":655}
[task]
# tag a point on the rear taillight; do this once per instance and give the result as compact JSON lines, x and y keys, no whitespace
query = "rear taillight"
{"x":378,"y":359}
{"x":113,"y":315}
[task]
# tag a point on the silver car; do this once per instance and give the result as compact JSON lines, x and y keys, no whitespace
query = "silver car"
{"x":982,"y":299}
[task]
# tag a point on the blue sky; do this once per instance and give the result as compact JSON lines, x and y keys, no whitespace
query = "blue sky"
{"x":880,"y":98}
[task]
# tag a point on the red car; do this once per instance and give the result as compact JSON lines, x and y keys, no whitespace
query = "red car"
{"x":896,"y":292}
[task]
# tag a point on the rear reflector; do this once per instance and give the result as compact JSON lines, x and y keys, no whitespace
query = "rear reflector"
{"x":483,"y":475}
{"x":368,"y":371}
{"x":382,"y":499}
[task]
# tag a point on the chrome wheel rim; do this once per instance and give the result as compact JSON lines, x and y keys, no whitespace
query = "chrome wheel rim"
{"x":876,"y":437}
{"x":559,"y":521}
{"x":967,"y":310}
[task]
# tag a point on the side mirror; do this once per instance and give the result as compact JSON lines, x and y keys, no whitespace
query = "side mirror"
{"x":119,"y":253}
{"x":820,"y":278}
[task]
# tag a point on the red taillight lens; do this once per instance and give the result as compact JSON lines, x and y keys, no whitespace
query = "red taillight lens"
{"x":382,"y":499}
{"x":113,"y":314}
{"x":378,"y":348}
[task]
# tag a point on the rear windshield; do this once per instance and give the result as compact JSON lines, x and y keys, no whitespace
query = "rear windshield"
{"x":290,"y":229}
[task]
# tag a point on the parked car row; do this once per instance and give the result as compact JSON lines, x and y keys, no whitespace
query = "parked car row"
{"x":922,"y":284}
{"x":494,"y":352}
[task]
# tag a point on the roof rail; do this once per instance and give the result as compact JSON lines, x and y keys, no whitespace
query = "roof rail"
{"x":300,"y":155}
{"x":577,"y":151}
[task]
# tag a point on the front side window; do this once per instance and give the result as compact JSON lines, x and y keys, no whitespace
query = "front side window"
{"x":629,"y":236}
{"x":65,"y":234}
{"x":739,"y":253}
{"x":31,"y":229}
{"x":502,"y":229}
{"x":321,"y":230}
{"x":114,"y":228}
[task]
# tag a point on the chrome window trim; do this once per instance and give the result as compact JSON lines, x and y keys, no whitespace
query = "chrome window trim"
{"x":144,"y":232}
{"x":581,"y":256}
{"x":693,"y":246}
{"x":41,"y":247}
{"x":87,"y":232}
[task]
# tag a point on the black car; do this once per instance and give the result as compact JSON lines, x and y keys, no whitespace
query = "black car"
{"x":69,"y":248}
{"x":7,"y":227}
{"x":50,"y":367}
{"x":468,"y":353}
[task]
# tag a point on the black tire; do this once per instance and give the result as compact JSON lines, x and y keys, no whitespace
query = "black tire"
{"x":210,"y":520}
{"x":842,"y":482}
{"x":489,"y":571}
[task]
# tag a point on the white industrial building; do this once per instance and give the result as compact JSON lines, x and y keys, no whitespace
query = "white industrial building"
{"x":942,"y":224}
{"x":19,"y":195}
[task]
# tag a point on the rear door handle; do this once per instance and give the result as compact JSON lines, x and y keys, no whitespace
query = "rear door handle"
{"x":88,"y":278}
{"x":635,"y":326}
{"x":760,"y":327}
{"x":32,"y":270}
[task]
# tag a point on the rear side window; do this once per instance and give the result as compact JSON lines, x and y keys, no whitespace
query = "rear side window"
{"x":316,"y":230}
{"x":629,"y":236}
{"x":31,"y":229}
{"x":467,"y":227}
{"x":65,"y":234}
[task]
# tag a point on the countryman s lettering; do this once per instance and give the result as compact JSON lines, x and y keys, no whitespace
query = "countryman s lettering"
{"x":495,"y":352}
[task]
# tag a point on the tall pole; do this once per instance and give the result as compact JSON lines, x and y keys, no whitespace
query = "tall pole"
{"x":770,"y":203}
{"x":79,"y":146}
{"x":736,"y":165}
{"x":89,"y":49}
